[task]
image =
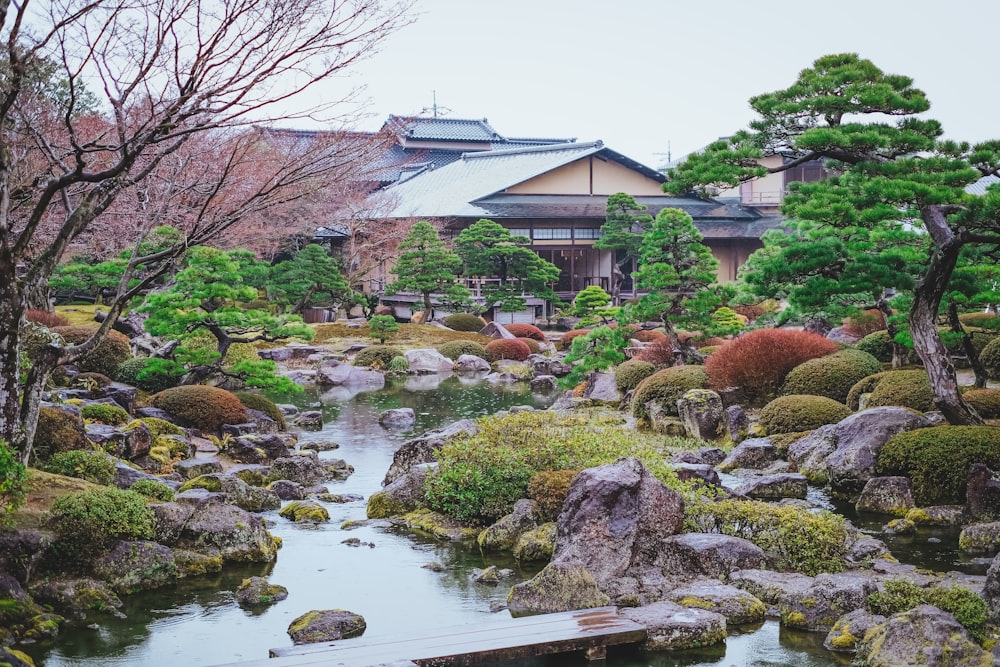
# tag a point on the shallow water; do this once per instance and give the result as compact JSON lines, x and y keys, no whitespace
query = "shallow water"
{"x":198,"y":622}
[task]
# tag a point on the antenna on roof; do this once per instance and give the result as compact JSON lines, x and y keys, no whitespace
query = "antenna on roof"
{"x":434,"y":108}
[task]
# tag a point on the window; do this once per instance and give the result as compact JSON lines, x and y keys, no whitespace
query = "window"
{"x":520,"y":231}
{"x":546,"y":234}
{"x":588,"y":233}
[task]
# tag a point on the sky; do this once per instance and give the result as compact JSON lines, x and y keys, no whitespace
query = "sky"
{"x":651,"y":76}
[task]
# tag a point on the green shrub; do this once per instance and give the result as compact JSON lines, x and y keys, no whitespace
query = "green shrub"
{"x":801,"y":412}
{"x":726,"y":321}
{"x":980,"y":319}
{"x":202,"y":407}
{"x":533,"y":345}
{"x":89,"y":522}
{"x":985,"y":401}
{"x":399,"y":365}
{"x":377,"y":356}
{"x":453,"y":349}
{"x":900,"y":595}
{"x":757,"y":362}
{"x":906,"y":389}
{"x":831,"y":376}
{"x":629,"y":374}
{"x":158,"y":426}
{"x":990,"y":358}
{"x":382,"y":327}
{"x":105,"y":413}
{"x":794,"y":539}
{"x":507,"y":348}
{"x":665,"y":387}
{"x":877,"y":344}
{"x":549,"y":489}
{"x":58,"y":430}
{"x":137,"y":372}
{"x":464,"y":322}
{"x":479,"y":478}
{"x":525,"y":331}
{"x":153,"y":488}
{"x":88,"y":464}
{"x":262,"y":403}
{"x":13,"y":481}
{"x":937,"y":460}
{"x":106,"y":357}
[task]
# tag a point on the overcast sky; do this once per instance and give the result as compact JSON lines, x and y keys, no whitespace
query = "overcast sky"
{"x":642,"y":75}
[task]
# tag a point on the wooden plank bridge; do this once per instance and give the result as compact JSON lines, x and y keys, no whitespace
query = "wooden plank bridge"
{"x":589,"y":631}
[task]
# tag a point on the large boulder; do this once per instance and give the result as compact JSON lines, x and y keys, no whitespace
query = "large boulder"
{"x":258,"y":592}
{"x":496,"y":330}
{"x":708,"y":554}
{"x":701,"y":413}
{"x":614,"y":516}
{"x":752,"y":454}
{"x":671,"y":627}
{"x":925,"y":635}
{"x":403,"y":495}
{"x":428,"y":361}
{"x":470,"y":363}
{"x":306,"y":468}
{"x":982,"y":493}
{"x":136,"y":566}
{"x":423,"y":449}
{"x":333,"y":373}
{"x":505,"y":533}
{"x":202,"y":522}
{"x":260,"y":448}
{"x":397,"y":419}
{"x":770,"y":586}
{"x":739,"y":606}
{"x":542,"y":365}
{"x":536,"y":544}
{"x":886,"y":495}
{"x":602,"y":387}
{"x":245,"y":496}
{"x":830,"y":597}
{"x":325,"y":626}
{"x":850,"y":629}
{"x":775,"y":487}
{"x":558,"y":587}
{"x":76,"y":598}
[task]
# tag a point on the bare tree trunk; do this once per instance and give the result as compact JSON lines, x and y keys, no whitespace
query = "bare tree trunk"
{"x":898,"y":350}
{"x":923,"y":320}
{"x":11,"y":312}
{"x":967,"y":347}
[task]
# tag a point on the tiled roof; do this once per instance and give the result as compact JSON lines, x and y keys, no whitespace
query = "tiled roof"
{"x":979,"y":187}
{"x":443,"y":129}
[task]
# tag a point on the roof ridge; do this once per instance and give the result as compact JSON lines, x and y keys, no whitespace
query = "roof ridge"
{"x":534,"y":149}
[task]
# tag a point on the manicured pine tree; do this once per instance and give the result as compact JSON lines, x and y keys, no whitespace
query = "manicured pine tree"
{"x":622,"y":233}
{"x":428,"y":267}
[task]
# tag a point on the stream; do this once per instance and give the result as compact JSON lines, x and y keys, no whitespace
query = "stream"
{"x":198,"y":622}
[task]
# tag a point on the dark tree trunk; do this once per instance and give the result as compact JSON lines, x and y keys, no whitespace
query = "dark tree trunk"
{"x":11,"y":311}
{"x":898,"y":349}
{"x":967,"y":347}
{"x":428,"y":307}
{"x":923,"y":320}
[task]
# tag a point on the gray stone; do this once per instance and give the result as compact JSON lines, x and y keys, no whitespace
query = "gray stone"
{"x":982,"y":493}
{"x":304,"y":511}
{"x":504,"y":534}
{"x":886,"y":495}
{"x":830,"y":597}
{"x":850,"y":629}
{"x":866,"y":549}
{"x":126,"y":476}
{"x":981,"y":537}
{"x":558,"y":587}
{"x":770,"y":586}
{"x":736,"y":423}
{"x":286,"y":489}
{"x":616,"y":515}
{"x":136,"y":566}
{"x":470,"y":363}
{"x":924,"y":635}
{"x":325,"y":626}
{"x":76,"y":598}
{"x":838,"y":335}
{"x":333,"y":373}
{"x":738,"y":605}
{"x":311,"y":420}
{"x":191,"y":468}
{"x":752,"y":454}
{"x":496,"y":330}
{"x":602,"y":387}
{"x":991,"y":589}
{"x":424,"y":448}
{"x":543,"y":365}
{"x":397,"y":419}
{"x":536,"y":544}
{"x":700,"y":410}
{"x":279,"y":354}
{"x":428,"y":361}
{"x":250,"y":498}
{"x":258,"y":592}
{"x":773,"y":487}
{"x":204,"y":523}
{"x":671,"y":627}
{"x":809,"y":454}
{"x":319,"y":445}
{"x":259,"y":448}
{"x":306,"y":468}
{"x":703,"y":471}
{"x":544,"y":383}
{"x":708,"y":554}
{"x":404,"y":494}
{"x":122,"y":394}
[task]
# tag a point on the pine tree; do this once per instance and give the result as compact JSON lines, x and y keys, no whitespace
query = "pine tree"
{"x":428,"y":267}
{"x":622,"y":233}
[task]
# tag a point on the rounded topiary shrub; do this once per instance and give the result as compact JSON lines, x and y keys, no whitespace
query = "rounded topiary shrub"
{"x":88,"y":464}
{"x":990,"y":358}
{"x":58,"y":430}
{"x":87,"y":523}
{"x":134,"y":372}
{"x":453,"y":349}
{"x":831,"y":376}
{"x":262,"y":403}
{"x":801,"y":412}
{"x":153,"y":488}
{"x":979,"y":319}
{"x":525,"y":331}
{"x":104,"y":358}
{"x":648,"y":336}
{"x":200,"y":406}
{"x":937,"y":460}
{"x":105,"y":413}
{"x":864,"y":323}
{"x":464,"y":322}
{"x":629,"y":374}
{"x":757,"y":362}
{"x":377,"y":356}
{"x":877,"y":344}
{"x":665,"y":387}
{"x":549,"y":489}
{"x":507,"y":348}
{"x":532,"y":344}
{"x":985,"y":401}
{"x":566,"y":340}
{"x":906,"y":389}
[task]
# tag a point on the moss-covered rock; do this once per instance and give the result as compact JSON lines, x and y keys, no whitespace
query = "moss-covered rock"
{"x":194,"y":564}
{"x":738,"y":606}
{"x":262,"y":403}
{"x":258,"y":592}
{"x":301,"y":511}
{"x":659,"y":392}
{"x":326,"y":625}
{"x":439,"y":525}
{"x":795,"y":413}
{"x":558,"y":587}
{"x":831,"y":376}
{"x":60,"y":429}
{"x":505,"y":533}
{"x":537,"y":544}
{"x":937,"y":460}
{"x":131,"y":566}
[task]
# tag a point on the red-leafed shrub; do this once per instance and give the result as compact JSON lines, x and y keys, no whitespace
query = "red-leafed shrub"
{"x":525,"y":331}
{"x":658,"y":353}
{"x":864,"y":323}
{"x":45,"y":318}
{"x":203,"y":407}
{"x":711,"y":341}
{"x":532,"y":344}
{"x":567,"y":338}
{"x":507,"y":348}
{"x":649,"y":336}
{"x":758,"y":361}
